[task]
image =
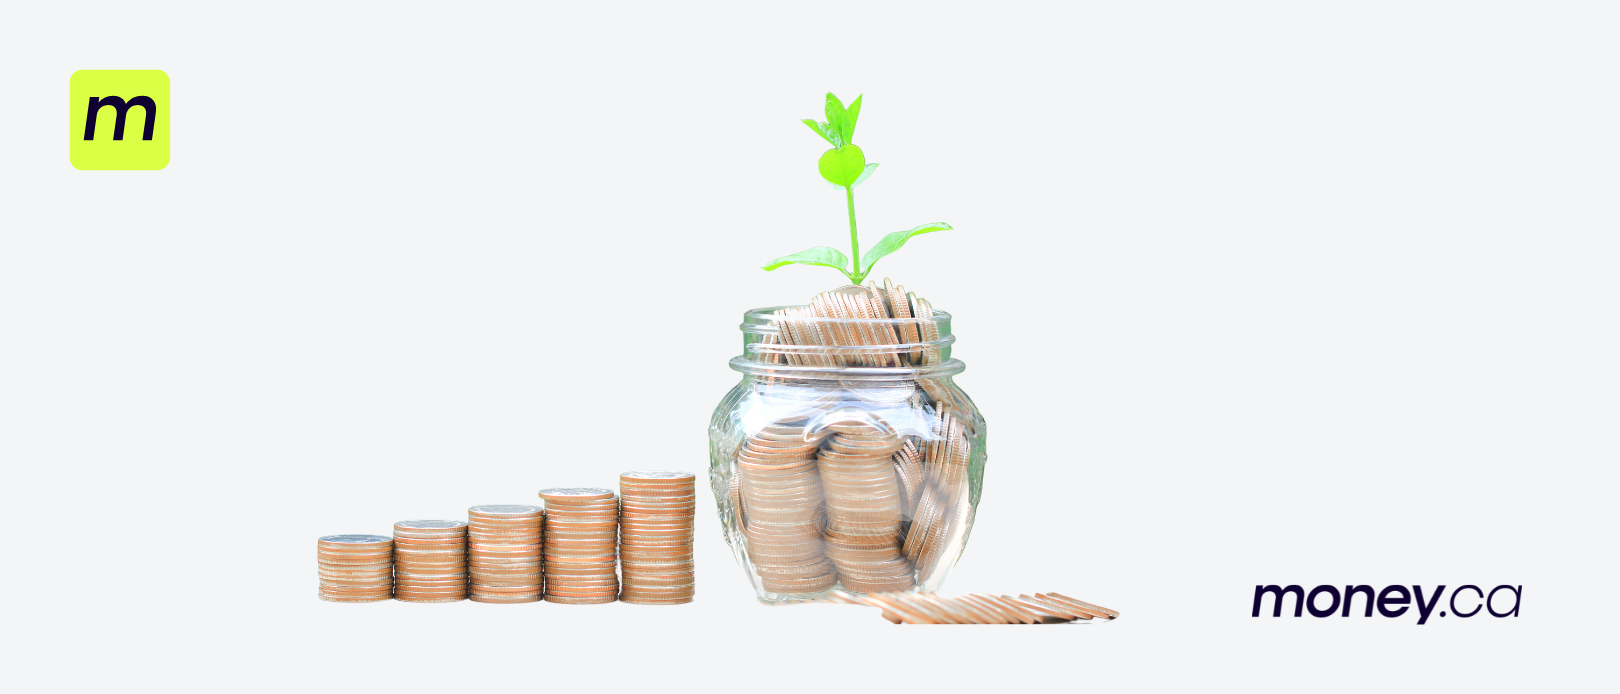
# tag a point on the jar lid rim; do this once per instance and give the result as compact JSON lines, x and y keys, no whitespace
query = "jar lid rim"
{"x":949,"y":367}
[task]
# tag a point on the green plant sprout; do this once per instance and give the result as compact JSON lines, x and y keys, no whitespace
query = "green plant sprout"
{"x":845,"y":166}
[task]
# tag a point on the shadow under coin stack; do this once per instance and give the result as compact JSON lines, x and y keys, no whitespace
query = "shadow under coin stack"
{"x":864,"y":508}
{"x":430,"y":561}
{"x":780,"y":498}
{"x":581,"y":545}
{"x":503,"y":553}
{"x":355,"y":568}
{"x":656,"y":514}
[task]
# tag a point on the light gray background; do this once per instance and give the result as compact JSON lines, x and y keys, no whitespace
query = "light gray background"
{"x":1254,"y":293}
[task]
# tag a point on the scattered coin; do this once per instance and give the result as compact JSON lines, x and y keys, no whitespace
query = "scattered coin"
{"x":928,"y":608}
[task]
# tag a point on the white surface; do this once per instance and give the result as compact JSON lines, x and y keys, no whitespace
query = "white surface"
{"x":1257,"y":294}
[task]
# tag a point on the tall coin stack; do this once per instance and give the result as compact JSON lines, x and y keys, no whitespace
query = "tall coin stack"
{"x":864,"y":507}
{"x":430,"y":560}
{"x":656,"y":515}
{"x":780,"y":498}
{"x":503,"y":553}
{"x":355,"y":568}
{"x":581,"y":545}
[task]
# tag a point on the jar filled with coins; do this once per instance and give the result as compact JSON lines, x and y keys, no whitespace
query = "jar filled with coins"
{"x":847,"y":457}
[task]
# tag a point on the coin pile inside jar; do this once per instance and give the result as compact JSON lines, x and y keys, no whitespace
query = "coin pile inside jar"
{"x":430,"y":560}
{"x":581,"y":545}
{"x":797,"y":325}
{"x":656,"y":514}
{"x":880,"y":464}
{"x":779,"y":502}
{"x":355,"y":568}
{"x":864,"y":512}
{"x":503,"y":553}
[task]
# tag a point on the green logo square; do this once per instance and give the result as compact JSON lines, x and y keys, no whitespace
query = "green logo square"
{"x":118,"y":119}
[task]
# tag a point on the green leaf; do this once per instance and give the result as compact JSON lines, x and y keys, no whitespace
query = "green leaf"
{"x":821,"y":129}
{"x":893,"y":242}
{"x":842,"y":165}
{"x":821,"y":255}
{"x":835,"y":116}
{"x":854,"y":112}
{"x":865,"y":174}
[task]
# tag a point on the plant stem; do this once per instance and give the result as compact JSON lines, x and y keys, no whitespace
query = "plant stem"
{"x":854,"y":240}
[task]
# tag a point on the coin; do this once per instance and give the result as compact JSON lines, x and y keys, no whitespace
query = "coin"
{"x":504,"y":511}
{"x":575,"y":494}
{"x":501,"y":599}
{"x":580,"y":601}
{"x":357,"y":541}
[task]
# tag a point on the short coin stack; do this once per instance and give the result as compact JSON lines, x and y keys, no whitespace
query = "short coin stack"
{"x":780,"y":498}
{"x":581,"y":545}
{"x":355,"y":568}
{"x":656,"y":514}
{"x":430,"y":560}
{"x":503,"y":553}
{"x":864,"y":508}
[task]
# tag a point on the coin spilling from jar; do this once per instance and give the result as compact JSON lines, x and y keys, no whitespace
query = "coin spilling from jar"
{"x":928,"y":608}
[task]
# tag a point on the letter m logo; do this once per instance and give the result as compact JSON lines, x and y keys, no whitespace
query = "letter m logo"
{"x":118,"y":119}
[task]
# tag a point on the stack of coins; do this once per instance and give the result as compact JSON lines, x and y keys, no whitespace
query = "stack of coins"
{"x":430,"y":560}
{"x":503,"y":553}
{"x":355,"y":568}
{"x":581,"y":545}
{"x":864,"y":509}
{"x":780,"y":499}
{"x":656,"y":514}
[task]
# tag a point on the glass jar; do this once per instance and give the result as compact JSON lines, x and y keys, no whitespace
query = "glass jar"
{"x":846,"y":457}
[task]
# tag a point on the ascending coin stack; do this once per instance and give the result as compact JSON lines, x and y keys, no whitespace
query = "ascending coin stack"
{"x":355,"y":568}
{"x":503,"y":553}
{"x":581,"y":545}
{"x":780,"y":495}
{"x":656,"y":513}
{"x":430,"y":560}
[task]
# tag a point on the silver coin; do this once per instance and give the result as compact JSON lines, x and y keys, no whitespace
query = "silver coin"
{"x":505,"y":510}
{"x":658,"y":475}
{"x":356,"y":539}
{"x":431,"y":524}
{"x":575,"y":491}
